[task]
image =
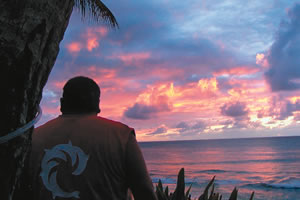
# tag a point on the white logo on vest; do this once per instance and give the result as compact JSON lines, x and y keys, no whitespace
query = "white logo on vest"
{"x":49,"y":161}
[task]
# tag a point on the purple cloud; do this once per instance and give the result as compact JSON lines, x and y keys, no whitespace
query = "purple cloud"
{"x":284,"y":55}
{"x":182,"y":125}
{"x":140,"y":111}
{"x":199,"y":125}
{"x":234,"y":110}
{"x":159,"y":130}
{"x":190,"y":129}
{"x":143,"y":112}
{"x":288,"y":109}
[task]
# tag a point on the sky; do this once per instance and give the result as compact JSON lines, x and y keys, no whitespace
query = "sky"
{"x":188,"y":70}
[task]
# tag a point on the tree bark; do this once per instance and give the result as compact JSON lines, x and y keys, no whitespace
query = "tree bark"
{"x":30,"y":33}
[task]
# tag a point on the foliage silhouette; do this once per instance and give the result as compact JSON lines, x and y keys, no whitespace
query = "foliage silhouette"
{"x":179,"y":193}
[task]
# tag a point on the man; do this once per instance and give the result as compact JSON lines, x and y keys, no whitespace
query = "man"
{"x":79,"y":155}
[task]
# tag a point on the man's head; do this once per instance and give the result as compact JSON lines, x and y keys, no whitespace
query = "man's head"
{"x":80,"y":95}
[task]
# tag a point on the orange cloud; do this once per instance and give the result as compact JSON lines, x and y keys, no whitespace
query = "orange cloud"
{"x":192,"y":97}
{"x":158,"y":94}
{"x":192,"y":93}
{"x":294,"y":99}
{"x":208,"y":85}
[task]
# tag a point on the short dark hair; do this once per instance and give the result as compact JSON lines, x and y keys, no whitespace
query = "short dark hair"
{"x":80,"y":95}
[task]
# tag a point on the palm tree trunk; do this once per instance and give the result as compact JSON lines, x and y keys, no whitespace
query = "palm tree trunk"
{"x":30,"y":33}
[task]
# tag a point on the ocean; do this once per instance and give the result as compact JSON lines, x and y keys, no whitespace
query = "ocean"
{"x":268,"y":166}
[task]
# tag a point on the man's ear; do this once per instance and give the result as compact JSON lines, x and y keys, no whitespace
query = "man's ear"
{"x":61,"y":104}
{"x":99,"y":108}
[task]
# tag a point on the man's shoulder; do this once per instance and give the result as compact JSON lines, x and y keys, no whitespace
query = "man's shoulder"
{"x":113,"y":124}
{"x":47,"y":125}
{"x":92,"y":122}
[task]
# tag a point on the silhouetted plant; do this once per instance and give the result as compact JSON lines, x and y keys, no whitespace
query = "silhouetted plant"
{"x":180,"y":194}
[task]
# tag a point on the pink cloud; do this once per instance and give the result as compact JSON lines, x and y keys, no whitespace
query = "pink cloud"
{"x":153,"y":101}
{"x":59,"y":84}
{"x":89,"y":40}
{"x":204,"y":89}
{"x":132,"y":58}
{"x":74,"y":47}
{"x":93,"y":36}
{"x":92,"y":43}
{"x":101,"y":30}
{"x":239,"y":70}
{"x":51,"y":110}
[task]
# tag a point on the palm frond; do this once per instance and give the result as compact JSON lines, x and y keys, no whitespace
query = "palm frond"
{"x":97,"y":10}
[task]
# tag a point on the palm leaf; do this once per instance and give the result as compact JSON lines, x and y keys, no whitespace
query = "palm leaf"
{"x":97,"y":10}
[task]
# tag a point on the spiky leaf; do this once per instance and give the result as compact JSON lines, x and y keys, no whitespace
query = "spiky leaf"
{"x":234,"y":194}
{"x":187,"y":193}
{"x":204,"y":196}
{"x":252,"y":196}
{"x":212,"y":192}
{"x":160,"y":191}
{"x":180,"y":188}
{"x":214,"y":196}
{"x":167,"y":191}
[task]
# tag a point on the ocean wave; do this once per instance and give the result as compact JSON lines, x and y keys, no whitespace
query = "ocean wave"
{"x":173,"y":180}
{"x":196,"y":181}
{"x":200,"y":162}
{"x":219,"y":171}
{"x":228,"y":182}
{"x":211,"y":171}
{"x":164,"y":180}
{"x":289,"y":183}
{"x":255,"y":161}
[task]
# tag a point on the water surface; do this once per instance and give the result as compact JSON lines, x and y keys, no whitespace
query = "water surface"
{"x":268,"y":166}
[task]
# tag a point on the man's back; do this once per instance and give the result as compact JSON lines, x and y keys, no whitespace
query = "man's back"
{"x":87,"y":157}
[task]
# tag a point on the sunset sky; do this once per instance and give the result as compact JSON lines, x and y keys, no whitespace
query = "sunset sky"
{"x":194,"y":69}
